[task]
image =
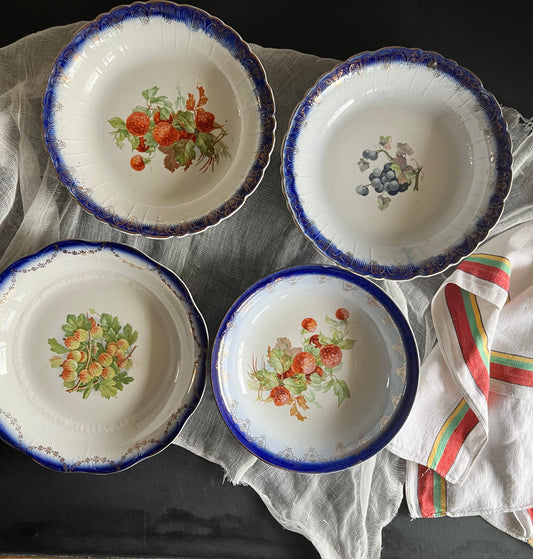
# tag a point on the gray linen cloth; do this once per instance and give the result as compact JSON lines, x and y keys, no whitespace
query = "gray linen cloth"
{"x":342,"y":514}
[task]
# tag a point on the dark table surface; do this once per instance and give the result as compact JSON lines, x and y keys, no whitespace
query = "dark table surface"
{"x":157,"y":510}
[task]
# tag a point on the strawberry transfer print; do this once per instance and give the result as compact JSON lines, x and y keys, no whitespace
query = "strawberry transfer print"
{"x":183,"y":131}
{"x":292,"y":376}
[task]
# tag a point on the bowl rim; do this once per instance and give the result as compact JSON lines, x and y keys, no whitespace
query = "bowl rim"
{"x":233,"y":43}
{"x":485,"y":222}
{"x":198,"y":382}
{"x":412,"y":371}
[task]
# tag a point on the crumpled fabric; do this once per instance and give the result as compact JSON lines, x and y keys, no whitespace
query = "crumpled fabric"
{"x":343,"y":513}
{"x":469,"y":439}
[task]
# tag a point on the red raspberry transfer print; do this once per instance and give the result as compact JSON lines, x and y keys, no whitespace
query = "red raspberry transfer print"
{"x":342,"y":314}
{"x":309,"y":324}
{"x":331,"y":355}
{"x":293,"y":376}
{"x":165,"y":134}
{"x":280,"y":395}
{"x":137,"y":163}
{"x":137,"y":123}
{"x":184,"y":131}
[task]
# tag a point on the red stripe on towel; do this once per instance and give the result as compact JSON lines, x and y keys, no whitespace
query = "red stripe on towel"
{"x":456,"y":440}
{"x":425,"y":491}
{"x":512,"y":375}
{"x":487,"y":272}
{"x":466,"y":338}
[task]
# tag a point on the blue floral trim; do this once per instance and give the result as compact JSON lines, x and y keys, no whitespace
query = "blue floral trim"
{"x":11,"y":432}
{"x":401,"y":412}
{"x":503,"y":160}
{"x":197,"y":20}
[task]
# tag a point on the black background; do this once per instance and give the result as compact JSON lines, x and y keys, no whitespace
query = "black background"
{"x":492,"y":39}
{"x":177,"y":504}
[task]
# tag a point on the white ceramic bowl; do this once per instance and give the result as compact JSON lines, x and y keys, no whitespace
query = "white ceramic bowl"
{"x":159,"y":119}
{"x":102,"y":356}
{"x":314,"y":369}
{"x":397,"y":163}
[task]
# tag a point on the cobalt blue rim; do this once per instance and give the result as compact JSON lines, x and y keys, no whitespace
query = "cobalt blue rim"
{"x":197,"y":386}
{"x":401,"y":413}
{"x":480,"y":230}
{"x":198,"y":20}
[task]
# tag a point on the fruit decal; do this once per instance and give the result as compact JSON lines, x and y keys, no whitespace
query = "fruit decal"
{"x":295,"y":374}
{"x":184,"y":131}
{"x":94,"y":356}
{"x":396,"y":175}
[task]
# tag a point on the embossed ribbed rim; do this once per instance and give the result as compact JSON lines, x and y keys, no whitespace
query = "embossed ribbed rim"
{"x":485,"y":222}
{"x":236,"y":47}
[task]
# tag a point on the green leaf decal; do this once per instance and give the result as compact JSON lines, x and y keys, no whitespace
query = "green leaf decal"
{"x":128,"y":331}
{"x":184,"y":152}
{"x":341,"y":390}
{"x":106,"y":320}
{"x":206,"y":144}
{"x":295,"y":384}
{"x":87,"y":390}
{"x":383,"y":202}
{"x":108,"y":388}
{"x":149,"y":140}
{"x":56,"y":347}
{"x":117,"y":123}
{"x":120,"y":136}
{"x":149,"y":94}
{"x":134,"y":141}
{"x":324,"y":340}
{"x":315,"y":379}
{"x":279,"y":360}
{"x":180,"y":100}
{"x":110,"y":336}
{"x":69,"y":330}
{"x":185,"y":121}
{"x":56,"y":361}
{"x":396,"y":168}
{"x":140,"y":109}
{"x":267,"y":379}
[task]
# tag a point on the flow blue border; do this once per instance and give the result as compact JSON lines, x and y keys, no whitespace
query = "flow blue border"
{"x":503,"y":161}
{"x":199,"y":21}
{"x":198,"y":325}
{"x":402,"y":411}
